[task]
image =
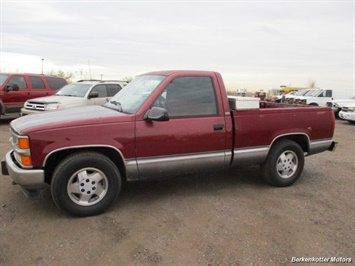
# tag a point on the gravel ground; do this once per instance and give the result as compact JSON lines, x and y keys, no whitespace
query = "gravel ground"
{"x":221,"y":218}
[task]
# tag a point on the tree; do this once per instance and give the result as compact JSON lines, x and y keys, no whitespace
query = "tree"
{"x":61,"y":73}
{"x":311,"y":84}
{"x":128,"y":79}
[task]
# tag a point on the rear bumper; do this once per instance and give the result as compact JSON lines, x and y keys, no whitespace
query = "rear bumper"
{"x":28,"y":179}
{"x":321,"y":146}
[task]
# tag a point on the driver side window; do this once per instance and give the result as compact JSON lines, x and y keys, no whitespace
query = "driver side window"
{"x":188,"y":97}
{"x":101,"y":90}
{"x":19,"y":80}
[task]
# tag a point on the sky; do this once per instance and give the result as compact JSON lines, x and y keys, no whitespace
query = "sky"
{"x":253,"y":44}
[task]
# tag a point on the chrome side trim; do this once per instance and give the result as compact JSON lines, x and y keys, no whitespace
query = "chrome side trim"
{"x":174,"y":165}
{"x":81,"y":146}
{"x":132,"y":173}
{"x":250,"y":156}
{"x":291,"y":134}
{"x":318,"y":146}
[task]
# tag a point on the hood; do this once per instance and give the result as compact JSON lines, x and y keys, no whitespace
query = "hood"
{"x":349,"y":105}
{"x":343,"y":101}
{"x":69,"y":117}
{"x":56,"y":99}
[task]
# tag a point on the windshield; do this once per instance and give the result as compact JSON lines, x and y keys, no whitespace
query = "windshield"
{"x":313,"y":93}
{"x":301,"y":92}
{"x":3,"y":77}
{"x":309,"y":93}
{"x":132,"y":97}
{"x":75,"y":90}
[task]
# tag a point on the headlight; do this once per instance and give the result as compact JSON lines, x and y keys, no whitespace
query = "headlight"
{"x":52,"y":106}
{"x":352,"y":109}
{"x":22,"y":152}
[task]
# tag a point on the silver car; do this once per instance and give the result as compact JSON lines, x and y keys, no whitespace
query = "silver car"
{"x":74,"y":95}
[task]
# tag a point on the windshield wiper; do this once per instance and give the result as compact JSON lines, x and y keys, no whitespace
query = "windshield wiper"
{"x":118,"y":104}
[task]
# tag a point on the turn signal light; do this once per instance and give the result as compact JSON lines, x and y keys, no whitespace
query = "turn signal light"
{"x":23,"y":143}
{"x":26,"y":160}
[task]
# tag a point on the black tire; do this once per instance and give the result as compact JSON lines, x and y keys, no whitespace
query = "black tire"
{"x":284,"y":163}
{"x":85,"y":184}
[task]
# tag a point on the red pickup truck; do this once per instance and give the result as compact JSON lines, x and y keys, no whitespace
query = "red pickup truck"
{"x":161,"y":124}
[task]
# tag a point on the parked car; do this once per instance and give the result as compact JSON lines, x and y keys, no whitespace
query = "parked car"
{"x":290,"y":97}
{"x":348,"y":112}
{"x":162,"y":124}
{"x":320,"y":97}
{"x":74,"y":95}
{"x":16,"y":89}
{"x":337,"y":105}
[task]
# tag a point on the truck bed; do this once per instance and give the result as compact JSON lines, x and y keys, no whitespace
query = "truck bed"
{"x":257,"y":129}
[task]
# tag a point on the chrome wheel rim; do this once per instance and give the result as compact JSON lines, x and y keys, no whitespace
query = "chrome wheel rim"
{"x":87,"y":187}
{"x":287,"y":164}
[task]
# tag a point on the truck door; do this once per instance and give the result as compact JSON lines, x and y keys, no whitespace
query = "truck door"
{"x":193,"y":139}
{"x":324,"y":97}
{"x":14,"y":100}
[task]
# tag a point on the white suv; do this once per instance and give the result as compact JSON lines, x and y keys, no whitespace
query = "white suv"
{"x":74,"y":95}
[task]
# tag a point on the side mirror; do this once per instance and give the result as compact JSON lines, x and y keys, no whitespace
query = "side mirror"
{"x":12,"y":87}
{"x":93,"y":94}
{"x":157,"y":114}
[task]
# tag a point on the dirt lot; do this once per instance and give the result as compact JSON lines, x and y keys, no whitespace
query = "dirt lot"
{"x":229,"y":218}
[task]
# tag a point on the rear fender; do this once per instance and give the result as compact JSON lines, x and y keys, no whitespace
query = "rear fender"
{"x":301,"y":139}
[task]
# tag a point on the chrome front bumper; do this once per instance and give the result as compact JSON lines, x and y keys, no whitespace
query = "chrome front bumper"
{"x":28,"y":179}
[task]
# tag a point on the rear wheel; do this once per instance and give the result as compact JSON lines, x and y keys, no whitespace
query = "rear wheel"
{"x":85,"y":184}
{"x":284,"y":164}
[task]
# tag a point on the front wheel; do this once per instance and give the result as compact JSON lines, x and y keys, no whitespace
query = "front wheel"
{"x":85,"y":184}
{"x":284,"y":164}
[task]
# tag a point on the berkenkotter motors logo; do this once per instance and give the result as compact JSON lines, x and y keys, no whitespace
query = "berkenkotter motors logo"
{"x":321,"y":260}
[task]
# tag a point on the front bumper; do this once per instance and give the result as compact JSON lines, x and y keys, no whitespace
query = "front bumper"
{"x":347,"y":115}
{"x":25,"y":111}
{"x":28,"y":179}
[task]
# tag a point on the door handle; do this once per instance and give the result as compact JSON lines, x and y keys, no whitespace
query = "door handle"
{"x":218,"y":127}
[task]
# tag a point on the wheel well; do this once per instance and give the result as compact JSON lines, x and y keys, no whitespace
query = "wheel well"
{"x":54,"y":159}
{"x":300,"y":139}
{"x":314,"y":104}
